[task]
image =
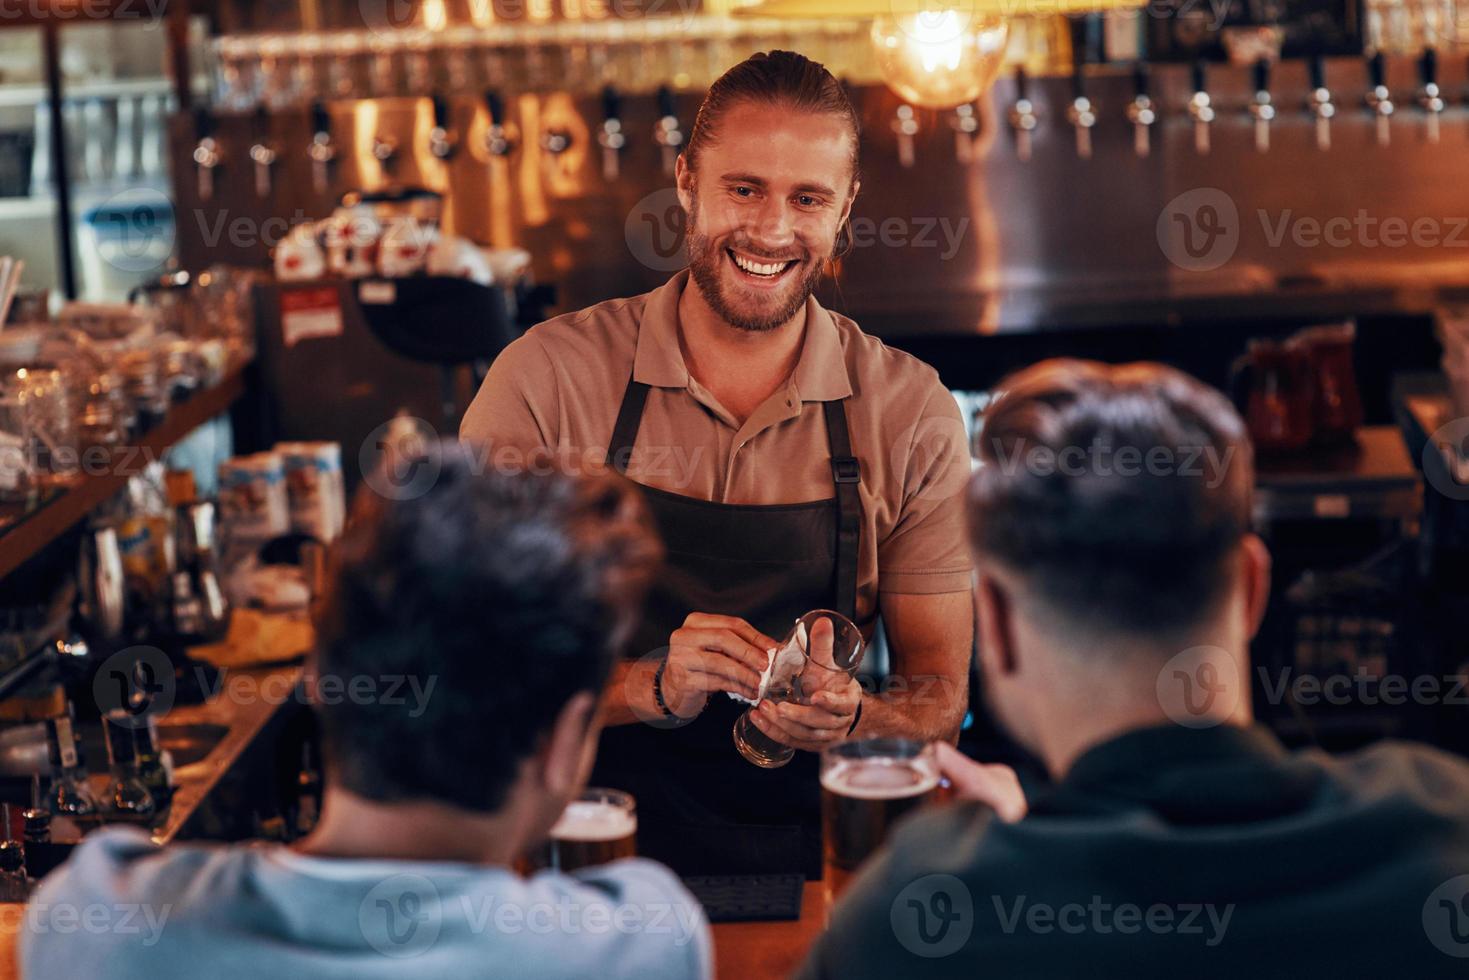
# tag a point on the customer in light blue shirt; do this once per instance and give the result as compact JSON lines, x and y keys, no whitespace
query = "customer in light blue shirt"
{"x":479,"y":619}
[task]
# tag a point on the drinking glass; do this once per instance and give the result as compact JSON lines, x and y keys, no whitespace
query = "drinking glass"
{"x":597,"y":827}
{"x":820,"y":668}
{"x":867,"y":785}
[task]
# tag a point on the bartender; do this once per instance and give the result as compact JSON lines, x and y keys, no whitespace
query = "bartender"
{"x":791,"y":463}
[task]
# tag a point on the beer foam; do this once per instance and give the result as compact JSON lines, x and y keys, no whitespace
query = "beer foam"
{"x":589,"y":821}
{"x":879,"y":779}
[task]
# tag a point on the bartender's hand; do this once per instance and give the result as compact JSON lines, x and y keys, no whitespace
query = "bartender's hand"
{"x":994,"y":785}
{"x":712,"y":653}
{"x":831,"y":702}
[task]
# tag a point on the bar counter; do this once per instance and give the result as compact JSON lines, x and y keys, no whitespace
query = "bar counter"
{"x":769,"y":949}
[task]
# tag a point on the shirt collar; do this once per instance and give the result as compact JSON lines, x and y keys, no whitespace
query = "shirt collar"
{"x":821,"y":370}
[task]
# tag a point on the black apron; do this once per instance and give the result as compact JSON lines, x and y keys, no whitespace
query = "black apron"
{"x":702,"y":808}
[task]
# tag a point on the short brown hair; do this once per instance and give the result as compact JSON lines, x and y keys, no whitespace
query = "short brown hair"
{"x":777,"y":78}
{"x":1137,"y":537}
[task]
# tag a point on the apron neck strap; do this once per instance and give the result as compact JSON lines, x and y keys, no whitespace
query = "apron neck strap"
{"x":625,"y":431}
{"x":846,"y":473}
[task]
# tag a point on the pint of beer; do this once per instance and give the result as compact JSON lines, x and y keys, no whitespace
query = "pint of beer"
{"x":598,"y":826}
{"x":867,"y":785}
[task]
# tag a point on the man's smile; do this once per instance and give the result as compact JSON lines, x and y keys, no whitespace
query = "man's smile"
{"x":760,"y":271}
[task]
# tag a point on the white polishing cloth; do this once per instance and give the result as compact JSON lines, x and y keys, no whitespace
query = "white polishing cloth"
{"x":784,"y":664}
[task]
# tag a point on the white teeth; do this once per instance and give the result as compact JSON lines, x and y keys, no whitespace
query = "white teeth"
{"x":759,"y":268}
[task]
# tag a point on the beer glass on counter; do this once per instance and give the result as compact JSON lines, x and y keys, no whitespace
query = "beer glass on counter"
{"x":799,"y":668}
{"x":597,"y":827}
{"x":867,"y":785}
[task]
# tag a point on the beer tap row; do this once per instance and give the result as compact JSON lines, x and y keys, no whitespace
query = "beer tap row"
{"x":1203,"y":110}
{"x":500,"y":139}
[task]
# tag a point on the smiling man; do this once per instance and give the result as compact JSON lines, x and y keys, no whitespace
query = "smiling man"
{"x":791,"y":463}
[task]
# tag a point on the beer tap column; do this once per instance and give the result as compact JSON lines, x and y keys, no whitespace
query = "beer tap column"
{"x":1082,"y":114}
{"x":668,"y":133}
{"x":965,"y":123}
{"x":1140,"y":111}
{"x":1200,"y":107}
{"x":1430,"y":97}
{"x":1379,"y":98}
{"x":262,"y":152}
{"x":442,"y":141}
{"x":1023,"y":119}
{"x":207,"y":155}
{"x":905,"y":127}
{"x":498,"y":142}
{"x":1262,"y":108}
{"x":612,"y":138}
{"x":1320,"y":102}
{"x":322,"y":151}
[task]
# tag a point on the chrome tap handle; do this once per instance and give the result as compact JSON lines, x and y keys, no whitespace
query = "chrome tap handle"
{"x":1379,"y":98}
{"x":1082,"y":114}
{"x":1262,"y":107}
{"x":668,"y":134}
{"x":207,"y":156}
{"x":1430,"y":97}
{"x":442,"y":142}
{"x":497,"y":139}
{"x":322,"y":150}
{"x":905,"y":127}
{"x":612,"y":138}
{"x":1200,"y":107}
{"x":262,"y":152}
{"x":1141,"y":112}
{"x":1320,"y":102}
{"x":1023,"y":119}
{"x":965,"y":124}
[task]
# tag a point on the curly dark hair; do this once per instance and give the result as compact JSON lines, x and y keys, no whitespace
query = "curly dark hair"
{"x":508,"y":591}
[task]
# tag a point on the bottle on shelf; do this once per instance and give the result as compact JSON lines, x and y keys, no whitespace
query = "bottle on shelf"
{"x":15,"y":886}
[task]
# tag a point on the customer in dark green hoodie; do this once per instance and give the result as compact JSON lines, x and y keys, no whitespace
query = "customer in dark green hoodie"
{"x":1118,"y":587}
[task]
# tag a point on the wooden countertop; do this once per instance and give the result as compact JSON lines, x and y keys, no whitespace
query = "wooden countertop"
{"x":768,"y":949}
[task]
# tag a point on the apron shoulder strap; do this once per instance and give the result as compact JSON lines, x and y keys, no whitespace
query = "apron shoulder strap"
{"x":625,"y":431}
{"x":846,"y":473}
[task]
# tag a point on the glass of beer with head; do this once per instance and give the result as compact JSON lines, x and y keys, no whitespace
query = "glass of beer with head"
{"x":867,"y":785}
{"x":599,"y":826}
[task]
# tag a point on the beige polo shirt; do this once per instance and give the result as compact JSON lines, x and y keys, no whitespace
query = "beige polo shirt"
{"x":560,"y":387}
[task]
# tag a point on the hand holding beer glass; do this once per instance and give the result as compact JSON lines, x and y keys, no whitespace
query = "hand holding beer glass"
{"x":821,"y":652}
{"x":597,"y":827}
{"x":867,"y":785}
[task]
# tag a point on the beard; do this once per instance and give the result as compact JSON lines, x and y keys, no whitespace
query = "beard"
{"x":706,"y":257}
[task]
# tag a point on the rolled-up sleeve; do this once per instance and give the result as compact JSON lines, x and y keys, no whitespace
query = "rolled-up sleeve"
{"x":926,"y":552}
